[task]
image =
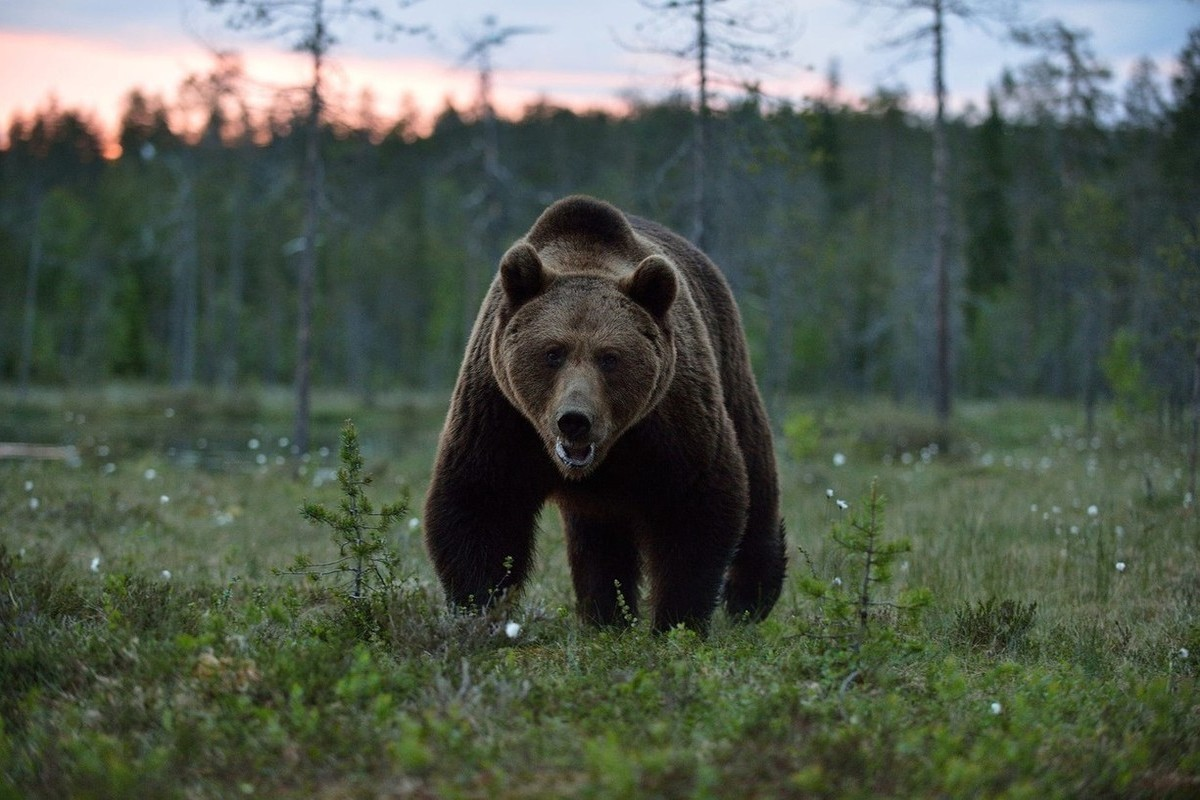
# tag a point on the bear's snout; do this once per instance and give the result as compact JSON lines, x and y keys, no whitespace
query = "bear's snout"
{"x":574,"y":424}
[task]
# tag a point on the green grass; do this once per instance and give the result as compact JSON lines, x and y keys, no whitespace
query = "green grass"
{"x":1040,"y":669}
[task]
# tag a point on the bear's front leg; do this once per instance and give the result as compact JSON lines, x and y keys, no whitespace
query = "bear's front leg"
{"x":688,"y":550}
{"x":488,"y":484}
{"x":689,"y":542}
{"x":480,"y":539}
{"x":604,"y":568}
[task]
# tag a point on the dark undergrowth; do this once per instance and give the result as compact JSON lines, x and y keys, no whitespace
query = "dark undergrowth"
{"x":1013,"y":643}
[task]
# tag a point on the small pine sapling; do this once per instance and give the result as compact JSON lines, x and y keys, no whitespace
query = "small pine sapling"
{"x":852,"y":611}
{"x":366,"y":564}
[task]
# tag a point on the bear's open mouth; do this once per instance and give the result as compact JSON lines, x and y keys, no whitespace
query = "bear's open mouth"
{"x":573,"y":455}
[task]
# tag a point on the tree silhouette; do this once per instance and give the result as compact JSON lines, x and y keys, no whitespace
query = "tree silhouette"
{"x":487,"y":204}
{"x":933,"y":32}
{"x":308,"y":26}
{"x":723,"y":39}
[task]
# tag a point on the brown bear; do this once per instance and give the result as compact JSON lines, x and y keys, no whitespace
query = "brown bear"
{"x":608,"y":373}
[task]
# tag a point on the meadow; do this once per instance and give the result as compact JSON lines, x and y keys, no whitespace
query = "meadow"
{"x":1035,"y":634}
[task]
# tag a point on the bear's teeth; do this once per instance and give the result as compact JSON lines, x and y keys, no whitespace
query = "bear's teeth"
{"x":570,"y":460}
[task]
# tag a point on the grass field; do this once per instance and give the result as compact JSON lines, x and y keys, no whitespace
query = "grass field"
{"x":151,"y":650}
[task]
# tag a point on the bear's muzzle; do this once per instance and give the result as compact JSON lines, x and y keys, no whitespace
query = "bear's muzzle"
{"x":573,"y":448}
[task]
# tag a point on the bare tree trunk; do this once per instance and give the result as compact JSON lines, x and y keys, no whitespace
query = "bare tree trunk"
{"x":25,"y":366}
{"x":307,"y":277}
{"x":700,"y":232}
{"x":227,"y":371}
{"x":184,"y":273}
{"x":941,"y":222}
{"x":1193,"y":454}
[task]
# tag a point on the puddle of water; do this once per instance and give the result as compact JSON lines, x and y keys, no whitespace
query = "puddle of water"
{"x":216,"y":443}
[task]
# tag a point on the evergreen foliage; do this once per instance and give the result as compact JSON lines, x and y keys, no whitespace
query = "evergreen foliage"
{"x":174,"y":262}
{"x":367,"y":562}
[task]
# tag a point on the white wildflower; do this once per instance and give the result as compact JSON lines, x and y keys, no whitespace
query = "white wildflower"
{"x":34,"y":504}
{"x":95,"y":564}
{"x":150,"y":474}
{"x":29,"y":486}
{"x":1093,"y":511}
{"x":1183,"y":652}
{"x":253,"y":444}
{"x":997,"y":708}
{"x":164,"y":499}
{"x":166,"y":574}
{"x":414,"y":523}
{"x":839,"y":459}
{"x":843,"y":505}
{"x":512,"y":630}
{"x":168,"y":412}
{"x":837,"y":581}
{"x":829,"y":493}
{"x":1120,"y":566}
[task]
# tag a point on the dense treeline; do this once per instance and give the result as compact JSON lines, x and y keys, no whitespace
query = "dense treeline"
{"x":1077,"y":233}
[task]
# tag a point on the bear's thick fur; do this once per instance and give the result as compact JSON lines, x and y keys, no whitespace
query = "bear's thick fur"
{"x":608,"y":372}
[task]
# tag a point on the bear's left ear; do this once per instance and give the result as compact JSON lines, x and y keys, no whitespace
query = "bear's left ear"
{"x":521,"y":274}
{"x":652,"y":285}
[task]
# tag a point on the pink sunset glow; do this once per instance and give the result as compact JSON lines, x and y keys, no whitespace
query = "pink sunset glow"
{"x":95,"y":77}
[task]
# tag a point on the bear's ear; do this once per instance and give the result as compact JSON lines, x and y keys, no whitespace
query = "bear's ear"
{"x":652,"y":285}
{"x":521,"y":274}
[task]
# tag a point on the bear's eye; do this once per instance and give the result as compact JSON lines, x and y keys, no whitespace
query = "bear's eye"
{"x":555,"y":357}
{"x":608,"y":361}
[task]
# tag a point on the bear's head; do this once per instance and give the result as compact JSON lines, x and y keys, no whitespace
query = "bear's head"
{"x":584,"y":350}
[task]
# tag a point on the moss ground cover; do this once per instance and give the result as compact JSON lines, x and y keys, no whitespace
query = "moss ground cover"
{"x":150,"y":646}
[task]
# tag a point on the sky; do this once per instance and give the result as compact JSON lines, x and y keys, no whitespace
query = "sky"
{"x":88,"y":55}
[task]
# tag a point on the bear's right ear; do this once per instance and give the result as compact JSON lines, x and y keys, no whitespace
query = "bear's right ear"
{"x":521,"y":274}
{"x":652,"y":285}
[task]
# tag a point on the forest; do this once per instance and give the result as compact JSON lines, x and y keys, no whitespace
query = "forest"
{"x":1002,"y":601}
{"x":1074,"y":228}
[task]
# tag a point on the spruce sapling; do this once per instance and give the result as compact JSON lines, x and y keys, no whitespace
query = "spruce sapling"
{"x":366,"y":564}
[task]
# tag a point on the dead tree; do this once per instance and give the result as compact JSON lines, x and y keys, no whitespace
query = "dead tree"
{"x":721,"y":41}
{"x":934,"y":32}
{"x":308,"y":26}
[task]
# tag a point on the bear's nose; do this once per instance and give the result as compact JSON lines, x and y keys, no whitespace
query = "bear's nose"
{"x":574,"y":425}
